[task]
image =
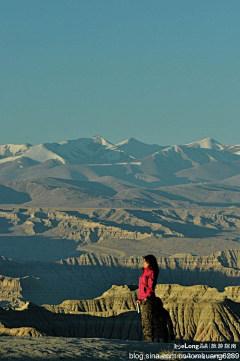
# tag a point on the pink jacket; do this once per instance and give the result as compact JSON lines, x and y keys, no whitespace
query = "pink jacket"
{"x":147,"y":283}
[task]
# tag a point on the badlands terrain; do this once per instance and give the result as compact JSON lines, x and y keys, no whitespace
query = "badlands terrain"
{"x":109,"y":328}
{"x":77,"y":217}
{"x":199,"y":313}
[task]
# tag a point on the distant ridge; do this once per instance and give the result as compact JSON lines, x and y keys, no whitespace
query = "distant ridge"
{"x":206,"y":143}
{"x":82,"y":150}
{"x":121,"y":167}
{"x":98,"y":149}
{"x":138,"y":149}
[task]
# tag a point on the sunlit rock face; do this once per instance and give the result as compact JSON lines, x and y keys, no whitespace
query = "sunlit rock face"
{"x":199,"y":313}
{"x":91,"y":274}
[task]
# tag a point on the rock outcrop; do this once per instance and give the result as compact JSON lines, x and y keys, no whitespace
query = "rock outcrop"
{"x":91,"y":274}
{"x":20,"y":332}
{"x":199,"y":313}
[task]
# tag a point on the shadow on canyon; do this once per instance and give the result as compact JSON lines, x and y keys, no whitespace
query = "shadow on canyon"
{"x":36,"y":248}
{"x":126,"y":326}
{"x":54,"y":282}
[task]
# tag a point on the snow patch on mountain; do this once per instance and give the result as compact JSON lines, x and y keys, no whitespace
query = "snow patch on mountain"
{"x":233,"y":148}
{"x":201,"y":152}
{"x":9,"y":150}
{"x":206,"y":143}
{"x":38,"y":153}
{"x":91,"y":147}
{"x":127,"y":141}
{"x":41,"y":153}
{"x":100,"y":140}
{"x":10,"y":159}
{"x":138,"y":149}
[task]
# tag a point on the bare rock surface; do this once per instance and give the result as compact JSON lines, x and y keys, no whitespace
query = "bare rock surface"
{"x":65,"y":349}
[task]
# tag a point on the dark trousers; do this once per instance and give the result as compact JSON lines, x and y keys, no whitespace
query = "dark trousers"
{"x":147,"y":319}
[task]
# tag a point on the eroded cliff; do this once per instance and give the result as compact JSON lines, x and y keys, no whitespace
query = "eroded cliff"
{"x":199,"y":313}
{"x":91,"y":274}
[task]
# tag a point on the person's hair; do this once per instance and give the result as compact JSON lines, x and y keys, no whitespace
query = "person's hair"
{"x":152,"y":262}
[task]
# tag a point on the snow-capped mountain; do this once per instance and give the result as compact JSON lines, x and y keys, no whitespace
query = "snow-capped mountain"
{"x":233,"y":148}
{"x":128,"y":161}
{"x":138,"y":149}
{"x":10,"y":150}
{"x":91,"y":150}
{"x":98,"y":150}
{"x":198,"y":152}
{"x":80,"y":151}
{"x":206,"y":143}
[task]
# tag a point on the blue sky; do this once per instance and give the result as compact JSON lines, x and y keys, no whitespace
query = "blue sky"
{"x":165,"y":72}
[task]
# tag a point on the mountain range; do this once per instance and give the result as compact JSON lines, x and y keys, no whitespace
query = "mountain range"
{"x":100,"y":173}
{"x":99,"y":150}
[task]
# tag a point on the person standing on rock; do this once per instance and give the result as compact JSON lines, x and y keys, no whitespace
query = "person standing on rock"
{"x":146,"y":295}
